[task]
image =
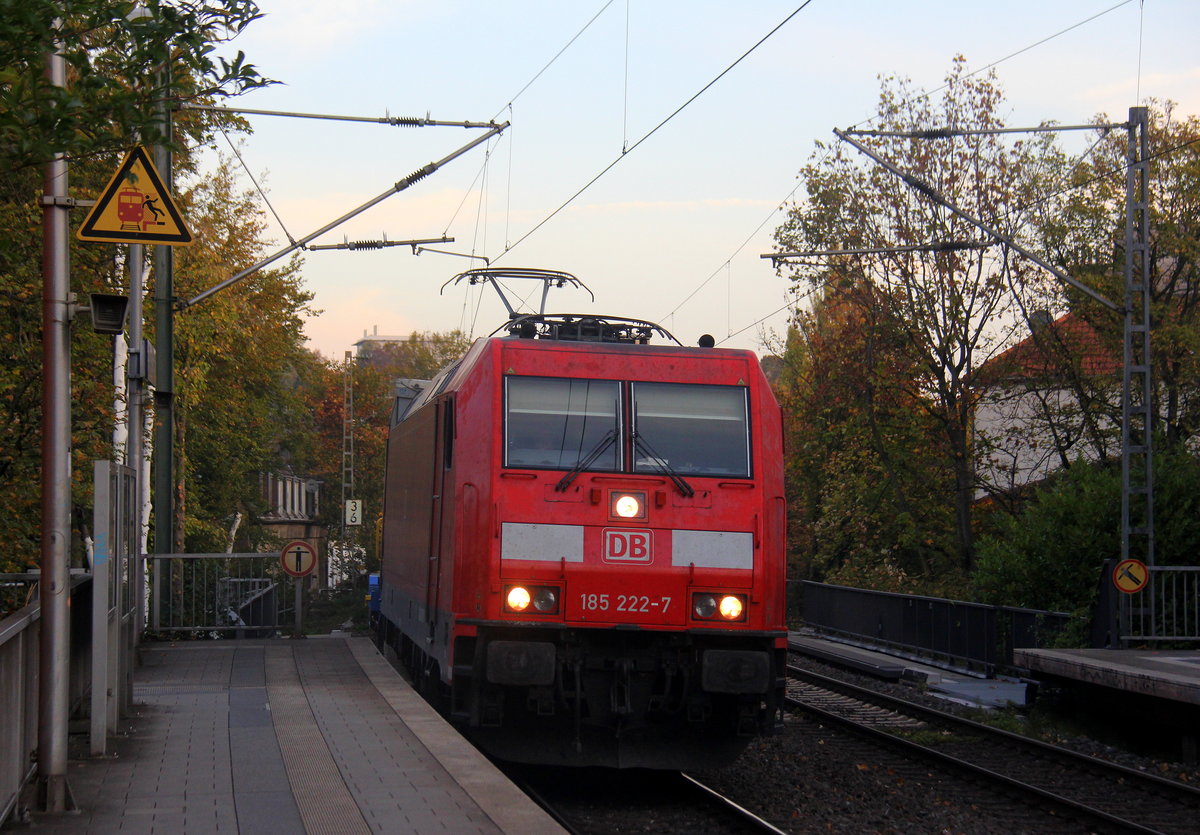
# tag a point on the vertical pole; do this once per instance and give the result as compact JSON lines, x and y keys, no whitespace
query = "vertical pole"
{"x":344,"y":547}
{"x":1137,"y":407}
{"x":298,"y":593}
{"x":137,"y":441}
{"x":164,"y":390}
{"x":54,"y":589}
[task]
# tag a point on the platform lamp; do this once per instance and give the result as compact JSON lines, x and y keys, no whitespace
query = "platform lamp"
{"x":109,"y":312}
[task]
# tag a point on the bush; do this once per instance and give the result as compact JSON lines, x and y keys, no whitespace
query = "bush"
{"x":1050,"y":555}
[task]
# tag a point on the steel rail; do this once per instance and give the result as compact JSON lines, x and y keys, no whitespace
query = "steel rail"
{"x":1128,"y":777}
{"x":741,"y":812}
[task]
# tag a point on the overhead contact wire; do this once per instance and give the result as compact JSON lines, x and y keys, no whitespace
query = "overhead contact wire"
{"x":929,"y":93}
{"x":654,"y":130}
{"x":557,"y":55}
{"x":780,"y":205}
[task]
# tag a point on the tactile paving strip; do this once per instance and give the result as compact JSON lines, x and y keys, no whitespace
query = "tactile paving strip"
{"x":326,"y":805}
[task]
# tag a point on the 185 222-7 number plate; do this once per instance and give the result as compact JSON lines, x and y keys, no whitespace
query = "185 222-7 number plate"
{"x":624,"y":607}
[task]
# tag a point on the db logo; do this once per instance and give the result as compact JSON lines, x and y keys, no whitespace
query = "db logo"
{"x":621,"y":545}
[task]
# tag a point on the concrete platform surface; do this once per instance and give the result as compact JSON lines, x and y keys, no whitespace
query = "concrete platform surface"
{"x":1163,"y":674}
{"x":282,"y":737}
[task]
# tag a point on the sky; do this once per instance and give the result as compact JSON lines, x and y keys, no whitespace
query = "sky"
{"x":674,"y":230}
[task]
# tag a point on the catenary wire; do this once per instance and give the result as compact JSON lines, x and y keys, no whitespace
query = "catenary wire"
{"x":819,"y":284}
{"x":1141,"y":32}
{"x":549,"y":63}
{"x":927,"y":94}
{"x":625,"y":97}
{"x":778,"y":206}
{"x":651,"y":132}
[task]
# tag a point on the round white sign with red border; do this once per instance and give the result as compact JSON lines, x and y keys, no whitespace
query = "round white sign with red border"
{"x":298,"y":558}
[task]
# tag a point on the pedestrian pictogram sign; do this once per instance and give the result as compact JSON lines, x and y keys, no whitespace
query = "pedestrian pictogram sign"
{"x":135,"y":207}
{"x":298,"y":558}
{"x":1131,"y":576}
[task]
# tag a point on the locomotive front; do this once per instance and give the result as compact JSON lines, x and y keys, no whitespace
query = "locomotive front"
{"x":628,"y":609}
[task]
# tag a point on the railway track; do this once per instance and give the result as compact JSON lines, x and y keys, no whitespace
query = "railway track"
{"x":1093,"y":792}
{"x":595,"y":801}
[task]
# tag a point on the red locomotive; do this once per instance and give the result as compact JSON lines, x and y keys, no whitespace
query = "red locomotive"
{"x":583,"y":545}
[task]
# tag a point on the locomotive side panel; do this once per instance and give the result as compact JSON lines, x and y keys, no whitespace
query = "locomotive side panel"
{"x":408,"y":520}
{"x":468,"y":563}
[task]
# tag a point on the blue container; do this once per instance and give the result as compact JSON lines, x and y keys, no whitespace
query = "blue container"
{"x":373,"y":597}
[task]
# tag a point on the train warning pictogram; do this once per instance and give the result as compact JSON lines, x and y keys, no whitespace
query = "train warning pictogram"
{"x":1131,"y":576}
{"x":135,"y":207}
{"x":298,"y":558}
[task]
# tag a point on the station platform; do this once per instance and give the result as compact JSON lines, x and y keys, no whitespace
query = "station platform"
{"x":1171,"y":675}
{"x":1159,"y":674}
{"x":279,"y":737}
{"x":949,"y":684}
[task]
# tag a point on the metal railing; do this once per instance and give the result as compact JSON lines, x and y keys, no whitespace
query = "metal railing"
{"x":246,"y":595}
{"x":20,"y":635}
{"x":1167,"y":609}
{"x":973,"y":636}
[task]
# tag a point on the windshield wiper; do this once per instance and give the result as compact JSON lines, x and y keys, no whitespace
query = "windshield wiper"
{"x":662,"y":465}
{"x":585,"y":462}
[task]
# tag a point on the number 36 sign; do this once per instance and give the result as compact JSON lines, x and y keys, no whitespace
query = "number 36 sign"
{"x":354,"y":512}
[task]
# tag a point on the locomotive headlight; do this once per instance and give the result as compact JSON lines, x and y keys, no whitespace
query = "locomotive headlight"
{"x":717,"y":606}
{"x":731,"y":607}
{"x":518,"y":598}
{"x":530,"y":599}
{"x":631,"y":505}
{"x":545,"y":599}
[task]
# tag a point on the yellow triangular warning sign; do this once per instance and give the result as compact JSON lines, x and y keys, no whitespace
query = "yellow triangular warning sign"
{"x":135,"y":208}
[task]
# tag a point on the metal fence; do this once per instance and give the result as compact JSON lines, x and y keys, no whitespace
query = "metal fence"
{"x":238,"y":595}
{"x":20,"y":635}
{"x":1167,"y":609}
{"x":974,"y":636}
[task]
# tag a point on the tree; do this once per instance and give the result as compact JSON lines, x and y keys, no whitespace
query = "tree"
{"x":116,"y":71}
{"x":113,"y":92}
{"x":862,"y":504}
{"x":372,"y":375}
{"x":1090,"y":242}
{"x":953,"y":308}
{"x":94,"y":269}
{"x":240,"y":360}
{"x":1049,"y":557}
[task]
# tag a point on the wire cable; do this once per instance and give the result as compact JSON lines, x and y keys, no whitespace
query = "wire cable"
{"x":625,"y":110}
{"x":929,"y":93}
{"x":261,"y":193}
{"x":557,"y":55}
{"x":1137,"y":97}
{"x":1023,"y":50}
{"x":653,"y":131}
{"x":782,"y":203}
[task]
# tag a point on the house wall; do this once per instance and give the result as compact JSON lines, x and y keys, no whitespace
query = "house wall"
{"x":1021,"y":435}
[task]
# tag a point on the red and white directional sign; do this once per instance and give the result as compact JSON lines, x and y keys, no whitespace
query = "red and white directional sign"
{"x":298,"y":558}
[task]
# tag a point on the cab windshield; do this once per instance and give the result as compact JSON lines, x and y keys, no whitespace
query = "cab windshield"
{"x":556,"y":424}
{"x":691,"y":429}
{"x":640,"y":427}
